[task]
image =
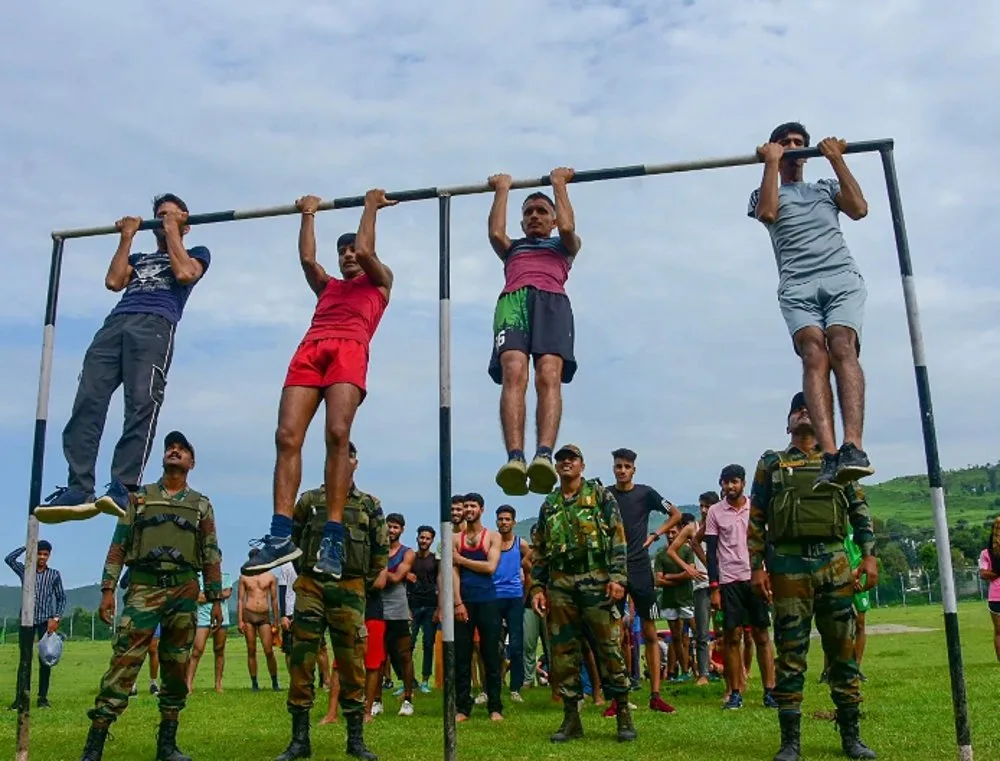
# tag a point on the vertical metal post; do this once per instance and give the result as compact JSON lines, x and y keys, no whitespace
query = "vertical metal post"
{"x":27,"y":635}
{"x":954,"y":646}
{"x":444,"y":444}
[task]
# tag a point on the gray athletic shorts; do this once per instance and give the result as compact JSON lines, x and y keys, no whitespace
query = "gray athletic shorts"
{"x":834,"y":300}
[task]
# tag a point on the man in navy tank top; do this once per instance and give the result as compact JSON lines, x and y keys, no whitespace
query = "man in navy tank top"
{"x":509,"y":584}
{"x":476,"y":554}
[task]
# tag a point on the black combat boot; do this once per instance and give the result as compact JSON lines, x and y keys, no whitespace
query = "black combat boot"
{"x":791,"y":736}
{"x":571,"y":728}
{"x":849,"y":721}
{"x":94,"y":749}
{"x":299,"y":747}
{"x":626,"y":729}
{"x":356,"y":737}
{"x":166,"y":742}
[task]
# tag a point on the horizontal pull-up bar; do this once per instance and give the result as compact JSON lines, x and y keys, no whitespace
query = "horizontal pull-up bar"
{"x":423,"y":194}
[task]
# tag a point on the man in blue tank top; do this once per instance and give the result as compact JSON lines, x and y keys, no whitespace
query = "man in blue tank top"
{"x":396,"y":611}
{"x":509,"y":584}
{"x":476,"y":554}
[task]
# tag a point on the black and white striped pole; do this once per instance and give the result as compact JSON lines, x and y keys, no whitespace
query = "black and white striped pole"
{"x":444,"y":458}
{"x":27,"y":632}
{"x":949,"y":601}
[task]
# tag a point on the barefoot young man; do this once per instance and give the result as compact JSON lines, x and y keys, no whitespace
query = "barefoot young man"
{"x":330,"y":365}
{"x":533,"y":320}
{"x":258,"y":615}
{"x":132,"y":349}
{"x":821,"y":292}
{"x":636,"y":502}
{"x":476,"y":553}
{"x":729,"y":579}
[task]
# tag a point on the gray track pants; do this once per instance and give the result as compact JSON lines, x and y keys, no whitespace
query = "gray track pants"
{"x":132,"y":351}
{"x":702,"y":624}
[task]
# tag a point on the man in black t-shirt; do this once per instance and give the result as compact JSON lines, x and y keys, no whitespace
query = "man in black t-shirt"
{"x":422,"y":591}
{"x":636,"y":502}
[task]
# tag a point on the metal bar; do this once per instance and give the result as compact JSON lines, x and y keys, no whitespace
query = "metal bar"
{"x":959,"y":699}
{"x":27,"y":634}
{"x":423,"y":194}
{"x":444,"y":446}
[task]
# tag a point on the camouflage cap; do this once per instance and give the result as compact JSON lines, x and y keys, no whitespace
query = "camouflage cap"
{"x":567,"y":449}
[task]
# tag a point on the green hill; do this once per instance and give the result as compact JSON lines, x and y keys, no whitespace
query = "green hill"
{"x":971,"y":495}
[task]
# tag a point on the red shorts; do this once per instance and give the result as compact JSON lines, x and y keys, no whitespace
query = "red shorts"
{"x":375,"y":651}
{"x":322,"y":362}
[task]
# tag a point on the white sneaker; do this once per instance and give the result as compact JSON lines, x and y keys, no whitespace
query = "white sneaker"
{"x":515,"y":697}
{"x":406,"y":709}
{"x":377,"y":708}
{"x":481,"y":698}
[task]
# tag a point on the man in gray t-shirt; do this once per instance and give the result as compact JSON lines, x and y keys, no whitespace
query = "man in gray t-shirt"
{"x":820,"y":289}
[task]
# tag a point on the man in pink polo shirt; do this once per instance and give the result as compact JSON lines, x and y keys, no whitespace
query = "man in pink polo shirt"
{"x":988,"y":572}
{"x":729,"y":579}
{"x":533,"y":321}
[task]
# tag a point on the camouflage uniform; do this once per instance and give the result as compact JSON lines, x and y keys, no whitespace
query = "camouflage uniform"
{"x":802,"y":533}
{"x":164,"y":541}
{"x":321,"y":602}
{"x":579,"y":548}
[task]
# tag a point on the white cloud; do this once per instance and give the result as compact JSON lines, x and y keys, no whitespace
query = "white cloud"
{"x":683,"y":354}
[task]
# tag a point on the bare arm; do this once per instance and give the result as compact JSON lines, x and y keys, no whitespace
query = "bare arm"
{"x":498,"y":214}
{"x":565,"y":219}
{"x":364,"y":243}
{"x":316,"y":275}
{"x":395,"y":577}
{"x":272,"y":591}
{"x":767,"y":201}
{"x":987,"y":574}
{"x":120,"y":271}
{"x":240,"y":599}
{"x":679,"y":541}
{"x":850,"y":199}
{"x":525,"y":557}
{"x":187,"y":270}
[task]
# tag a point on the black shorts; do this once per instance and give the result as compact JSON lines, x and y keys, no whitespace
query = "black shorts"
{"x":533,"y":322}
{"x":742,"y":608}
{"x":995,"y":608}
{"x":642,"y":592}
{"x":395,"y":631}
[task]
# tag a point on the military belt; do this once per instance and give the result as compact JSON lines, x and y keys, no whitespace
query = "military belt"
{"x":164,"y":579}
{"x":809,"y":549}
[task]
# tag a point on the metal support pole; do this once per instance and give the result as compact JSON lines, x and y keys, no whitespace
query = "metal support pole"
{"x":27,"y":637}
{"x":447,"y":591}
{"x":958,"y":694}
{"x":424,"y":194}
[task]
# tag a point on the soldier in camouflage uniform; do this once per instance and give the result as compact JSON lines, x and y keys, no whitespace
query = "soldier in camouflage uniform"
{"x":322,"y":601}
{"x":166,"y":537}
{"x":578,"y":576}
{"x":801,"y":530}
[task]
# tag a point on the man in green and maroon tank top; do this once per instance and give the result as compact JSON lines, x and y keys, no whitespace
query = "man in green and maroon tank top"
{"x":331,"y":366}
{"x":533,"y":319}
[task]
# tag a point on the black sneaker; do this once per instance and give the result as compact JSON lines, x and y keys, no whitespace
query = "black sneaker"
{"x":44,"y":703}
{"x":852,"y":465}
{"x":827,"y":472}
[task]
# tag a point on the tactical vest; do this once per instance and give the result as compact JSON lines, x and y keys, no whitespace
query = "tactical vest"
{"x":357,"y":537}
{"x":797,"y":512}
{"x":577,"y":531}
{"x":166,"y":529}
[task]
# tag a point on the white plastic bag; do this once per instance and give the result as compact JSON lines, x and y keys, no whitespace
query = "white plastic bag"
{"x":50,"y":649}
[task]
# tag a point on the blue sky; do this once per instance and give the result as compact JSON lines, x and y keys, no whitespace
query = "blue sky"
{"x":683,"y":354}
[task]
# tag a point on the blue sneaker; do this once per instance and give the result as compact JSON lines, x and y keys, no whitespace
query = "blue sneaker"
{"x":425,"y":687}
{"x":115,"y":500}
{"x":398,"y":691}
{"x":270,"y":552}
{"x":329,"y":559}
{"x":66,"y":504}
{"x":734,"y":703}
{"x":769,"y":701}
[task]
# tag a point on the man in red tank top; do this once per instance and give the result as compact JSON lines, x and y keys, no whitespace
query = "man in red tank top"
{"x":330,"y":365}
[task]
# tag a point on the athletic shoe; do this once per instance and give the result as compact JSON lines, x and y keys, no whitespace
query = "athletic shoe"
{"x":515,"y":697}
{"x":154,"y":688}
{"x":861,"y":676}
{"x":115,"y":500}
{"x":66,"y":504}
{"x":824,"y":677}
{"x":398,"y":691}
{"x":769,"y":701}
{"x":656,"y":703}
{"x":406,"y":709}
{"x":612,"y":710}
{"x":387,"y":684}
{"x":425,"y":688}
{"x":635,"y":685}
{"x":734,"y":703}
{"x":542,"y":475}
{"x":827,"y":472}
{"x":377,"y":708}
{"x":134,"y":691}
{"x":270,"y":552}
{"x":513,"y":478}
{"x":852,"y":465}
{"x":481,"y":698}
{"x":329,"y":559}
{"x":44,"y":703}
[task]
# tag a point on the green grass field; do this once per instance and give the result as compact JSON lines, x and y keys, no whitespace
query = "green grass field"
{"x":907,"y":712}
